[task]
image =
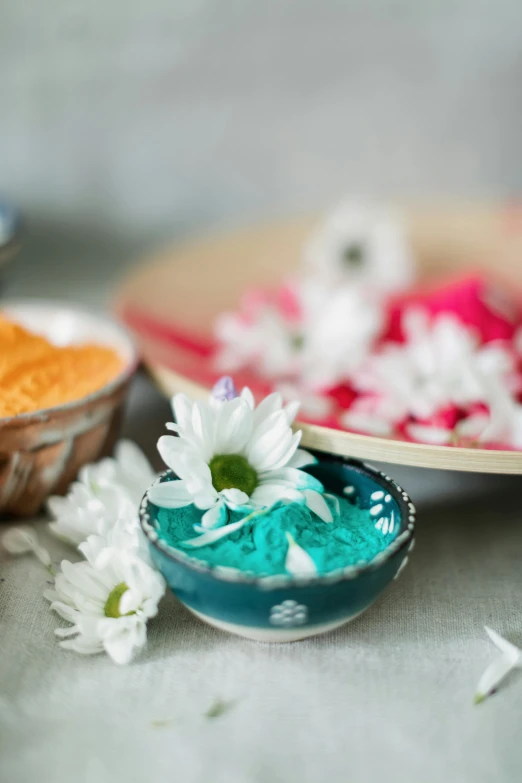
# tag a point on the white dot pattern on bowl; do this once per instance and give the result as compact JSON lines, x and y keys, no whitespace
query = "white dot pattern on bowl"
{"x":288,"y":614}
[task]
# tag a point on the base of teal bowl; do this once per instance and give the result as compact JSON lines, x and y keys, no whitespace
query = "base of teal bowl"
{"x":279,"y":635}
{"x":281,"y":608}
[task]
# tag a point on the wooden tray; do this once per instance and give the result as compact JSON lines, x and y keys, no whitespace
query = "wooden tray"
{"x":170,"y":304}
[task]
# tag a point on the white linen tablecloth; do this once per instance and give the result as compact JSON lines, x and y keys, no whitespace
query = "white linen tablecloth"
{"x":388,"y":697}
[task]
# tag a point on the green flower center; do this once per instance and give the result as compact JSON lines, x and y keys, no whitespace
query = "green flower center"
{"x":232,"y":471}
{"x":298,"y":341}
{"x":112,"y":604}
{"x":353,"y":255}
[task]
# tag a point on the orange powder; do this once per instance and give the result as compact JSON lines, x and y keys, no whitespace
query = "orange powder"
{"x":35,"y":374}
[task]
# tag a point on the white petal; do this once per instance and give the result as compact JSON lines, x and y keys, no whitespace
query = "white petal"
{"x":234,"y":427}
{"x":215,"y":535}
{"x":83,"y":577}
{"x":300,"y":459}
{"x":472,"y":427}
{"x":122,"y":647}
{"x":203,"y":424}
{"x":268,"y":495}
{"x":170,"y":494}
{"x":19,"y":540}
{"x":234,"y":497}
{"x":285,"y":457}
{"x":317,"y":504}
{"x":291,"y":410}
{"x":182,"y":408}
{"x":367,"y":423}
{"x":292,"y":477}
{"x":493,"y":676}
{"x":298,"y":562}
{"x":132,"y":459}
{"x":215,"y":517}
{"x":83,"y":646}
{"x":174,"y":451}
{"x":247,"y":395}
{"x":23,"y":539}
{"x":437,"y":436}
{"x":272,"y":403}
{"x":335,"y":500}
{"x":506,"y":647}
{"x":266,"y":447}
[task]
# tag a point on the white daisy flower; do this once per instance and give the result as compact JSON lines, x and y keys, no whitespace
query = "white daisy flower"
{"x":340,"y":327}
{"x":233,"y":455}
{"x":125,"y":535}
{"x":265,"y":341}
{"x":108,"y":490}
{"x":108,"y":605}
{"x":440,"y":364}
{"x":88,"y":510}
{"x":363,"y":245}
{"x":316,"y":406}
{"x":511,"y":658}
{"x":128,"y":469}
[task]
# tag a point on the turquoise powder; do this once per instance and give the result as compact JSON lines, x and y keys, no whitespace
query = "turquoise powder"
{"x":261,"y":546}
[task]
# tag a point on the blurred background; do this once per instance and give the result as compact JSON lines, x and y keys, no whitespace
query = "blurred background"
{"x":127,"y":124}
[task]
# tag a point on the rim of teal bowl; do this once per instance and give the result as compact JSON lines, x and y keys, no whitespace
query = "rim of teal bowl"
{"x":274,"y":581}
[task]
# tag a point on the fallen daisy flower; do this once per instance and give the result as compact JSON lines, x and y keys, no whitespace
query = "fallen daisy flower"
{"x":510,"y":658}
{"x":125,"y":535}
{"x":23,"y":539}
{"x":108,"y":490}
{"x":108,"y":603}
{"x":129,"y":470}
{"x":86,"y":511}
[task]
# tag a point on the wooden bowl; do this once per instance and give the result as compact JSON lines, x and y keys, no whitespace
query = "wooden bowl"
{"x":41,"y":452}
{"x":170,"y":304}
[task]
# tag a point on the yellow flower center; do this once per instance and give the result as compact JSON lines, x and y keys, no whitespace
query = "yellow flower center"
{"x":232,"y":471}
{"x":112,"y":604}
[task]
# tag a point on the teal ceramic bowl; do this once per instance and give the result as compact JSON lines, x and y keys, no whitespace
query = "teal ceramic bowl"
{"x":284,"y":608}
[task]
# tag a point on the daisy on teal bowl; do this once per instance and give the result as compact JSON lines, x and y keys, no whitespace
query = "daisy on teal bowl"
{"x":261,"y":538}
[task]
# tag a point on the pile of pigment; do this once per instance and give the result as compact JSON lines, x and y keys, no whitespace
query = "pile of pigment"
{"x":35,"y":374}
{"x":261,"y":546}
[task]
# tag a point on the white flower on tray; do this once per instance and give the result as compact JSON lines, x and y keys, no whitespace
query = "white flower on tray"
{"x":362,"y":245}
{"x":108,"y":603}
{"x":340,"y":328}
{"x":440,"y":365}
{"x":262,"y":338}
{"x":230,"y":454}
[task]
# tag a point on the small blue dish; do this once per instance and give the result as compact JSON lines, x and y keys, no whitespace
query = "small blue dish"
{"x":286,"y":608}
